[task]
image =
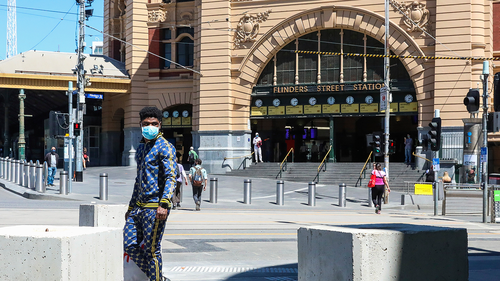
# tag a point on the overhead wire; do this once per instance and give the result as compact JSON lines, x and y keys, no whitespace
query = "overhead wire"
{"x":125,"y":42}
{"x":32,"y":48}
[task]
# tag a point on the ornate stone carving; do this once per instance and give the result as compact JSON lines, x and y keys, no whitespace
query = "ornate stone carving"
{"x":248,"y":28}
{"x":159,"y":15}
{"x":415,"y":11}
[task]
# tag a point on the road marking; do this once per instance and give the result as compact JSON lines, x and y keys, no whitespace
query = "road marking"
{"x":233,"y":269}
{"x":288,"y":192}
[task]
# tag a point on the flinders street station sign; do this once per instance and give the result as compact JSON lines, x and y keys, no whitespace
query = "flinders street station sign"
{"x":320,"y":100}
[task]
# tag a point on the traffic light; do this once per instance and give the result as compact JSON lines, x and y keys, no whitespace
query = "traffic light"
{"x":377,"y":144}
{"x":392,"y":148}
{"x":472,"y":101}
{"x":76,"y":129}
{"x":435,"y":134}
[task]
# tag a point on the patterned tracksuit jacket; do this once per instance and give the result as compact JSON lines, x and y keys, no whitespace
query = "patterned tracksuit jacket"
{"x":156,"y":171}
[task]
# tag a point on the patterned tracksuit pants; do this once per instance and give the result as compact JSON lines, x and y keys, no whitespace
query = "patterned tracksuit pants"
{"x":143,"y":225}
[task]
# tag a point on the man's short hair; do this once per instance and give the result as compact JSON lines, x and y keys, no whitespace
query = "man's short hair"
{"x":150,"y":111}
{"x":197,"y":161}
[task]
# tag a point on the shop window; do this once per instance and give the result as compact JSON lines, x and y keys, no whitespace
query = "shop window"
{"x":285,"y":65}
{"x":308,"y":63}
{"x":330,"y":65}
{"x":185,"y":51}
{"x":353,"y":66}
{"x":375,"y":70}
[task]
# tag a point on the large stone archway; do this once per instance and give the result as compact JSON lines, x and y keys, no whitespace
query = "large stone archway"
{"x":346,"y":17}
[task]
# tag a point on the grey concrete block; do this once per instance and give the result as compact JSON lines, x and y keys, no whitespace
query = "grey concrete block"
{"x":99,"y":215}
{"x":64,"y":253}
{"x":382,"y":252}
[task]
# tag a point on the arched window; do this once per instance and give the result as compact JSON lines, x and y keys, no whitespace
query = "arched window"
{"x":185,"y":51}
{"x":313,"y":69}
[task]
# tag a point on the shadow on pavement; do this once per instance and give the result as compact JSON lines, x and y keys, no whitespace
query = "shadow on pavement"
{"x":286,"y":272}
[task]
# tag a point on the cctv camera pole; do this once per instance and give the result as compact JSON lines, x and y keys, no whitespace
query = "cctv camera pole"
{"x":388,"y":99}
{"x":484,"y":157}
{"x":81,"y":93}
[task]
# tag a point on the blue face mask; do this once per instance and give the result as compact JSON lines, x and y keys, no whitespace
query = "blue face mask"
{"x":150,"y":132}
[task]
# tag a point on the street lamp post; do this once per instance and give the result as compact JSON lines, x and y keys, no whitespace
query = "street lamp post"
{"x":22,"y":141}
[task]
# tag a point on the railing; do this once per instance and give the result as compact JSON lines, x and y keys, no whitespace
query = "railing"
{"x":421,"y":157}
{"x":243,"y":163}
{"x":362,"y":174}
{"x":322,"y":166}
{"x":283,"y":164}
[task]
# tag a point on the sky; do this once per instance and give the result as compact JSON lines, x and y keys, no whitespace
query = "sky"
{"x":36,"y":19}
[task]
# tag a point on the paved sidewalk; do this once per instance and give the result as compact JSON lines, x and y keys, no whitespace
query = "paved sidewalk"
{"x":121,"y":180}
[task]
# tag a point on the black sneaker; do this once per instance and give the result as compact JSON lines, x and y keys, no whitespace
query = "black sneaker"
{"x":178,"y":205}
{"x":376,"y":209}
{"x":174,"y":207}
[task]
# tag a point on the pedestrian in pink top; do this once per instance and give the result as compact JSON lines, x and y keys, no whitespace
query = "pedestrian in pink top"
{"x":378,"y":190}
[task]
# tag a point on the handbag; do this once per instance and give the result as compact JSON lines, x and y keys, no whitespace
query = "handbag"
{"x":371,"y":183}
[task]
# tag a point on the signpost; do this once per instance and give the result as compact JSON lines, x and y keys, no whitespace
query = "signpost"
{"x":383,"y":98}
{"x":435,"y":164}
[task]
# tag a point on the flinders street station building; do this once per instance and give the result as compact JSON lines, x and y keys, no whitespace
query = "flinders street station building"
{"x":222,"y":70}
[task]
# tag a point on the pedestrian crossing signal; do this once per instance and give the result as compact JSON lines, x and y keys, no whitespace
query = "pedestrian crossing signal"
{"x":392,"y":147}
{"x":76,"y":129}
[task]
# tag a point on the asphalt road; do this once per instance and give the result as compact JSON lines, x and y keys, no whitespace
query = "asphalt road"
{"x":234,"y":241}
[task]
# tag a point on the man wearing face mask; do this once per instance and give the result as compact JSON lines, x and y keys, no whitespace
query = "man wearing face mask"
{"x":151,"y":199}
{"x":52,"y":158}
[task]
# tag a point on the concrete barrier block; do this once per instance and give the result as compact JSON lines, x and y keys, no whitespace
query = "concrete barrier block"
{"x":382,"y":252}
{"x":98,"y":215}
{"x":65,"y":253}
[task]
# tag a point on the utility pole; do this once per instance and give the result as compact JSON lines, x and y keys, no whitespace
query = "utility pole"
{"x":69,"y":143}
{"x":81,"y":83}
{"x":484,"y":162}
{"x":387,"y":81}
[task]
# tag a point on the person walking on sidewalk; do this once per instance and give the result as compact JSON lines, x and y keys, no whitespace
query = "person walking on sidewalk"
{"x":150,"y":204}
{"x":192,"y":156}
{"x":181,"y":175}
{"x":198,"y":177}
{"x":52,"y":158}
{"x":379,"y":189}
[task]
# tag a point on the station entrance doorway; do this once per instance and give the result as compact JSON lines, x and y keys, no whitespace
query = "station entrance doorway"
{"x":310,"y":137}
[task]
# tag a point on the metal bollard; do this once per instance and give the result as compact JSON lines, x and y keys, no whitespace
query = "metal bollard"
{"x":311,"y":200}
{"x":39,"y":186}
{"x":45,"y":173}
{"x":103,"y":186}
{"x":26,"y":181}
{"x":32,"y":175}
{"x":214,"y":190}
{"x":280,"y":193}
{"x":63,"y":183}
{"x":20,"y":165}
{"x":1,"y":167}
{"x":247,"y":191}
{"x":16,"y":171}
{"x":370,"y":201}
{"x":7,"y":169}
{"x":12,"y":170}
{"x":342,"y":195}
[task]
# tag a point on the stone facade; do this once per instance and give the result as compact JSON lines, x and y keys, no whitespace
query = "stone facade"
{"x":235,"y":40}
